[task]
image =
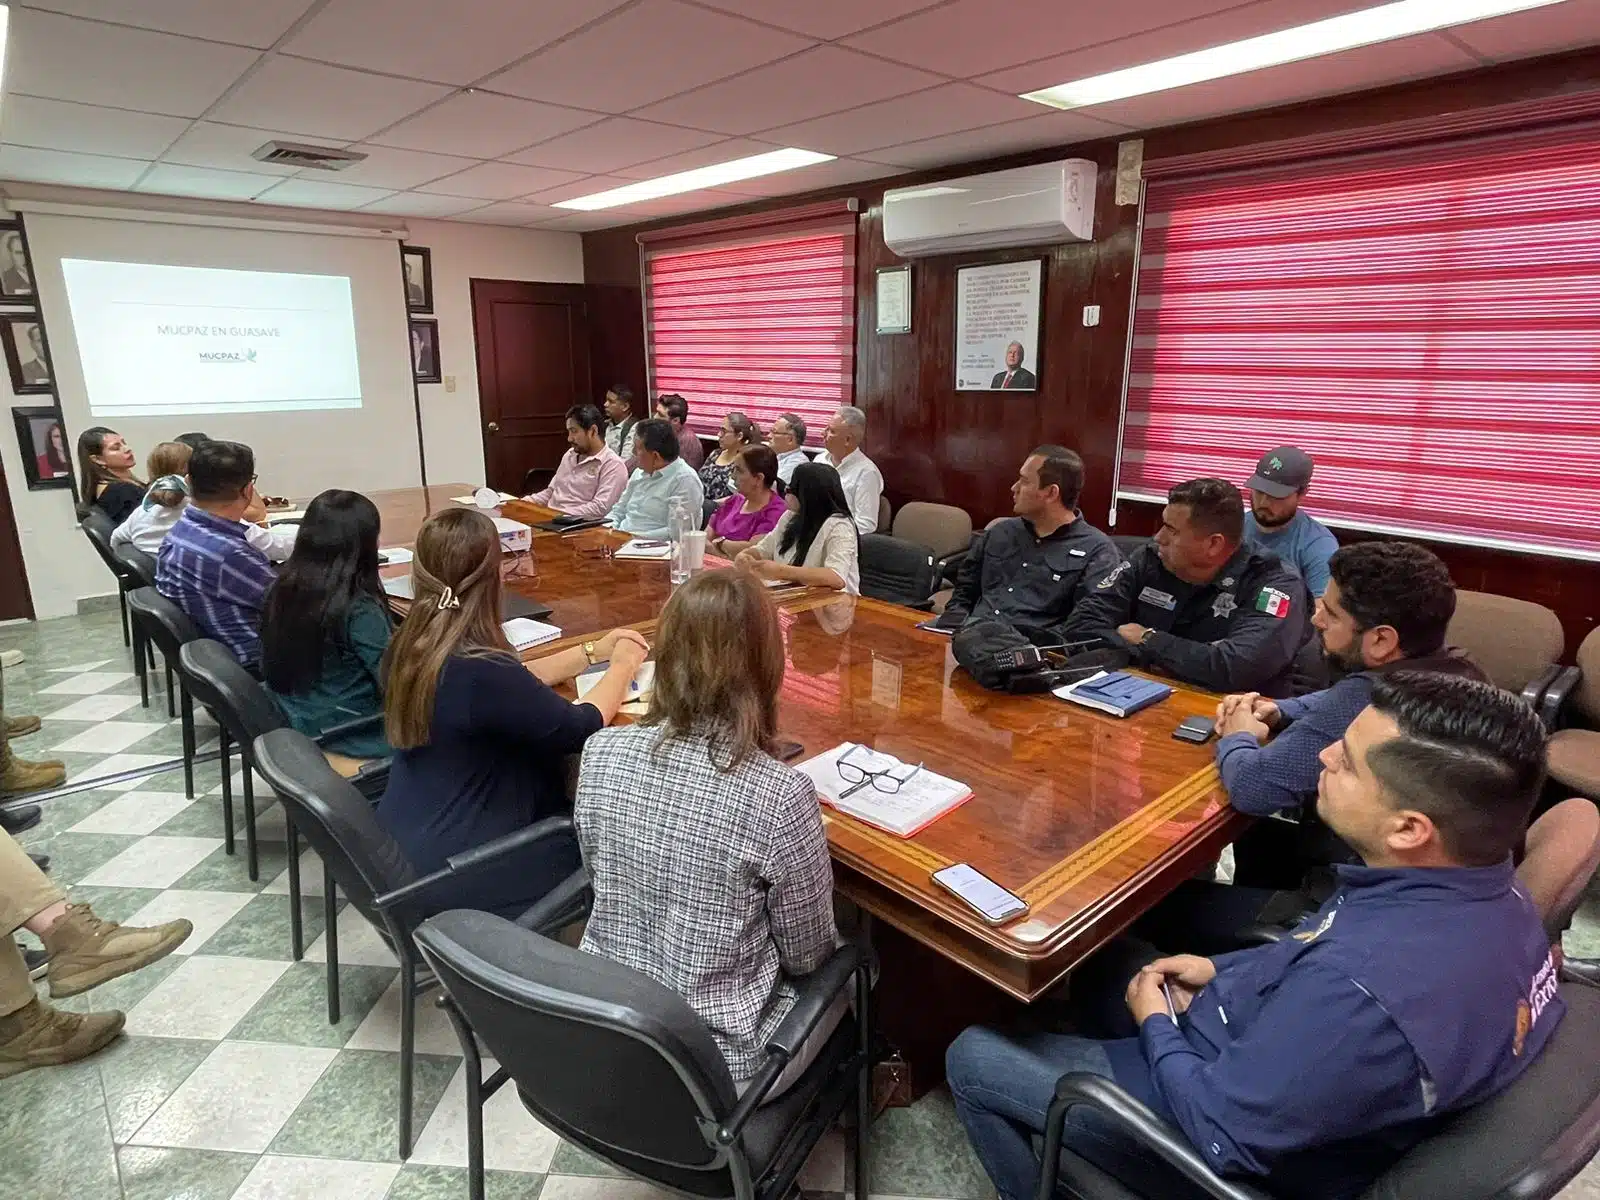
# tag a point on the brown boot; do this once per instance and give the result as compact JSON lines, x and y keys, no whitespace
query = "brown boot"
{"x":19,"y":776}
{"x":21,"y":726}
{"x":86,"y":951}
{"x":38,"y":1035}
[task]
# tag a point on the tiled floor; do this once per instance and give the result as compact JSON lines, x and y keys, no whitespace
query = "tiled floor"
{"x":230,"y":1081}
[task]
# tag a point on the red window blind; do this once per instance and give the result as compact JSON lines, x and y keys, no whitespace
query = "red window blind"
{"x":764,"y":325}
{"x":1424,"y":322}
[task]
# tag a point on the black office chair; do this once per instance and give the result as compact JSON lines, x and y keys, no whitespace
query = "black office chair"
{"x":1525,"y":1144}
{"x":1126,"y":544}
{"x":159,"y":622}
{"x":97,"y":527}
{"x":369,"y":867}
{"x":623,"y":1067}
{"x":142,"y":569}
{"x":897,"y":570}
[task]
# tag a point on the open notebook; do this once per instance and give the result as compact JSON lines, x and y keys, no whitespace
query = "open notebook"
{"x":639,"y":687}
{"x":922,"y":799}
{"x":523,"y":633}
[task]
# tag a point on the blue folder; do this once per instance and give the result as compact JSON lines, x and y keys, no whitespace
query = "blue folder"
{"x":1118,"y":693}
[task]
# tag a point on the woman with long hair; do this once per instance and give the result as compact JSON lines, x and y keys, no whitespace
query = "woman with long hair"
{"x":716,"y":474}
{"x":754,"y":509}
{"x":105,"y":475}
{"x":815,"y":543}
{"x":54,"y":462}
{"x":325,"y":625}
{"x":162,"y":504}
{"x":707,"y":855}
{"x":480,"y":738}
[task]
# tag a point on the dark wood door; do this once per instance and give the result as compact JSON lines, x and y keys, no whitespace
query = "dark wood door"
{"x":15,"y":599}
{"x":533,"y":365}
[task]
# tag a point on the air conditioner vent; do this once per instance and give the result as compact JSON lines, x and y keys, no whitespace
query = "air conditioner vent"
{"x":298,"y":154}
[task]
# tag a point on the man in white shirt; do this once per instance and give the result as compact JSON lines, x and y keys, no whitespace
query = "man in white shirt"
{"x":620,"y":424}
{"x":863,"y":482}
{"x":787,"y":435}
{"x":662,"y":474}
{"x":590,"y":478}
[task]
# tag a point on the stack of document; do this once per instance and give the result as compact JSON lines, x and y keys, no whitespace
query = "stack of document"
{"x":645,"y":548}
{"x":399,"y":586}
{"x":639,"y":687}
{"x":524,"y":633}
{"x":922,"y":799}
{"x":1115,"y":692}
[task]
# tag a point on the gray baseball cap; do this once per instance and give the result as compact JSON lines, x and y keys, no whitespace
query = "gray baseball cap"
{"x":1282,"y":472}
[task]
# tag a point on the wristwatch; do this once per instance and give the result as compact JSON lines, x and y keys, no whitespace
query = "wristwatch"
{"x":588,"y":652}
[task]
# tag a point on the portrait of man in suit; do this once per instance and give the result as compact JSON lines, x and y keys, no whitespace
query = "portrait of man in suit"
{"x":1015,"y":377}
{"x":16,"y":274}
{"x":416,"y":263}
{"x":33,"y":364}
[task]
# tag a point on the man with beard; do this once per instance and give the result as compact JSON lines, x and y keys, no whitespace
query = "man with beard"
{"x":1276,"y":523}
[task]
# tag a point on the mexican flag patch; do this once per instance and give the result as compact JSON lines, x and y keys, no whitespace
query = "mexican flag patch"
{"x":1271,"y":600}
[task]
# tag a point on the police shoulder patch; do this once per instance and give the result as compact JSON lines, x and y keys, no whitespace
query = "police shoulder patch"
{"x":1110,"y":580}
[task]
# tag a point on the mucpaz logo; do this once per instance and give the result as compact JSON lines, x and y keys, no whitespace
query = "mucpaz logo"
{"x":227,"y":356}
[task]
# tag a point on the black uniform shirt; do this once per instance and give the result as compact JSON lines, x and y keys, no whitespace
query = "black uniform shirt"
{"x":1032,"y":583}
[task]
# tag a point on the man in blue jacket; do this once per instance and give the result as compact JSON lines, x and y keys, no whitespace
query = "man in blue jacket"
{"x":1425,"y":985}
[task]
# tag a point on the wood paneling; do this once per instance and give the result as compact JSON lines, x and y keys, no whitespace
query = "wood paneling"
{"x":16,"y":601}
{"x":963,"y":448}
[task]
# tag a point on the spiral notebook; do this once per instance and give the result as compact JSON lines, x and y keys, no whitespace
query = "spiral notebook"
{"x":922,"y":798}
{"x":524,"y":633}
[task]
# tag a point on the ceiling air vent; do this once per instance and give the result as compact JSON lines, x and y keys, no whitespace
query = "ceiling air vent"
{"x":298,"y":154}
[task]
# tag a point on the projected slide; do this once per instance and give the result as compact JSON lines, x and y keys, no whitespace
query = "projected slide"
{"x":162,"y":340}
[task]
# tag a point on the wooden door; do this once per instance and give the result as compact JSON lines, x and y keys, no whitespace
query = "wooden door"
{"x":533,"y":365}
{"x":15,"y":599}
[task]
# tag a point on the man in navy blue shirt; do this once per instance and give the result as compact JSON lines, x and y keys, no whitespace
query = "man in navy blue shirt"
{"x":1425,"y":985}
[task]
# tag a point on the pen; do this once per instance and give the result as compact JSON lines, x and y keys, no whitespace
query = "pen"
{"x":1167,"y":992}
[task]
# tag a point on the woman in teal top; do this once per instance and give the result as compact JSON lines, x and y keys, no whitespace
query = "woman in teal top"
{"x":326,"y":625}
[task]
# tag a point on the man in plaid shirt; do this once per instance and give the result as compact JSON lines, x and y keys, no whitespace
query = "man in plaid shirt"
{"x":206,"y":566}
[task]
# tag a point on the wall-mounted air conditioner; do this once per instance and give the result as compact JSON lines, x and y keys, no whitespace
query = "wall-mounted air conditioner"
{"x":1026,"y":206}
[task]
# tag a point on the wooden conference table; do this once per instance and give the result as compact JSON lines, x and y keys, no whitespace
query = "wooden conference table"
{"x":1088,"y":818}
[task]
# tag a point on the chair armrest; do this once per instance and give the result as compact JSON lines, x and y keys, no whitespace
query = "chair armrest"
{"x":950,"y":565}
{"x":1261,"y":935}
{"x":1134,"y":1121}
{"x":569,"y":901}
{"x":344,"y":728}
{"x":818,"y":991}
{"x":1555,"y":695}
{"x":479,"y":856}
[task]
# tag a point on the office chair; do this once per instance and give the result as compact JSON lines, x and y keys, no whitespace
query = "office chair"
{"x":623,"y":1067}
{"x":159,"y":622}
{"x":1127,"y":543}
{"x":1575,"y":696}
{"x":943,"y":528}
{"x":1516,"y":642}
{"x":896,"y":570}
{"x":97,"y":527}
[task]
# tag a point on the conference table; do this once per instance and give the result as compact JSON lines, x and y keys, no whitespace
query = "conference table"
{"x":1088,"y":818}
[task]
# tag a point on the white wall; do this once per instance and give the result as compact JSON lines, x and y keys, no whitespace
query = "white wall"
{"x":378,"y":450}
{"x":451,"y":427}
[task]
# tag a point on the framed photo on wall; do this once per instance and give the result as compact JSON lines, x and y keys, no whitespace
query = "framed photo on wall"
{"x":997,"y":326}
{"x":893,"y":301}
{"x":16,"y":269}
{"x":26,"y":356}
{"x":42,"y":443}
{"x":425,"y":351}
{"x":416,"y":263}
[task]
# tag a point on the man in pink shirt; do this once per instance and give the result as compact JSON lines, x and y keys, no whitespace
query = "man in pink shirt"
{"x":591,"y":476}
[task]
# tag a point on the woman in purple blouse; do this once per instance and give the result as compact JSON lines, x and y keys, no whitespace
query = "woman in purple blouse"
{"x":755,"y":507}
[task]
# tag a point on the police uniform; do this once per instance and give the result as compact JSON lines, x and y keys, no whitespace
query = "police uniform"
{"x":1028,"y":582}
{"x":1238,"y":633}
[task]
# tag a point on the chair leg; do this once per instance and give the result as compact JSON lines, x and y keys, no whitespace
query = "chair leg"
{"x":863,"y":1130}
{"x":172,"y":700}
{"x":297,"y":935}
{"x":187,"y":709}
{"x":408,"y":1037}
{"x":122,"y":602}
{"x":252,"y":858}
{"x":473,"y":1066}
{"x":227,"y":789}
{"x":141,"y":668}
{"x":330,"y":913}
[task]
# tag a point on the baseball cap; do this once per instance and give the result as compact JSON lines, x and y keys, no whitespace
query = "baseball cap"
{"x":1281,"y":472}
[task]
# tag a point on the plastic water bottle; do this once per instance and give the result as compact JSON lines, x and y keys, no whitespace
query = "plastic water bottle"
{"x":679,"y":522}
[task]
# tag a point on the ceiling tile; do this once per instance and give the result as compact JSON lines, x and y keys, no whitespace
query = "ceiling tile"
{"x":508,"y":212}
{"x":78,"y":170}
{"x":315,"y":193}
{"x":1201,"y":33}
{"x":657,"y":49}
{"x":718,"y":152}
{"x":386,"y":167}
{"x":458,"y":43}
{"x":87,"y":129}
{"x":612,"y":143}
{"x":499,"y":181}
{"x":971,"y":37}
{"x":839,"y":173}
{"x":170,"y":180}
{"x":941,"y":110}
{"x":415,"y":204}
{"x":321,"y":101}
{"x":813,"y":84}
{"x":1350,"y":71}
{"x":826,"y":19}
{"x":584,"y":222}
{"x":259,"y":23}
{"x":589,"y":185}
{"x":1047,"y":129}
{"x":229,"y":147}
{"x":1560,"y":27}
{"x":483,"y":125}
{"x":66,"y":59}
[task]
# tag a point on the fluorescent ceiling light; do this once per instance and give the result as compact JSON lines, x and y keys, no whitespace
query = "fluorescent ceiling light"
{"x":1381,"y":24}
{"x":700,"y":177}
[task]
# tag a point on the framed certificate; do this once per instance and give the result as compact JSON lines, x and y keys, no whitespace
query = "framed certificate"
{"x":894,"y":299}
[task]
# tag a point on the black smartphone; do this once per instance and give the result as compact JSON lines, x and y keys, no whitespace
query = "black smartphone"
{"x":982,"y":894}
{"x":787,"y":750}
{"x":1196,"y":729}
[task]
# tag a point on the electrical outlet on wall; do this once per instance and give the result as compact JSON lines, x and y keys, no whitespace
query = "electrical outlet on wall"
{"x":1091,"y":315}
{"x":449,"y":383}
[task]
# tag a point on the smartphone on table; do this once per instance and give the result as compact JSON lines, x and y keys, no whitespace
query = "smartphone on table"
{"x":1196,"y":729}
{"x":980,"y":893}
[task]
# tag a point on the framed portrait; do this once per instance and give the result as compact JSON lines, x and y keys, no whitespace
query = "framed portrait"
{"x":16,"y":268}
{"x":26,"y":355}
{"x":42,"y":442}
{"x":997,"y":326}
{"x":416,"y":264}
{"x":425,"y":351}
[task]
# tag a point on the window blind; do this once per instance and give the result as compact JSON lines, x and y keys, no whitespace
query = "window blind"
{"x":763,"y":325}
{"x":1424,"y":322}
